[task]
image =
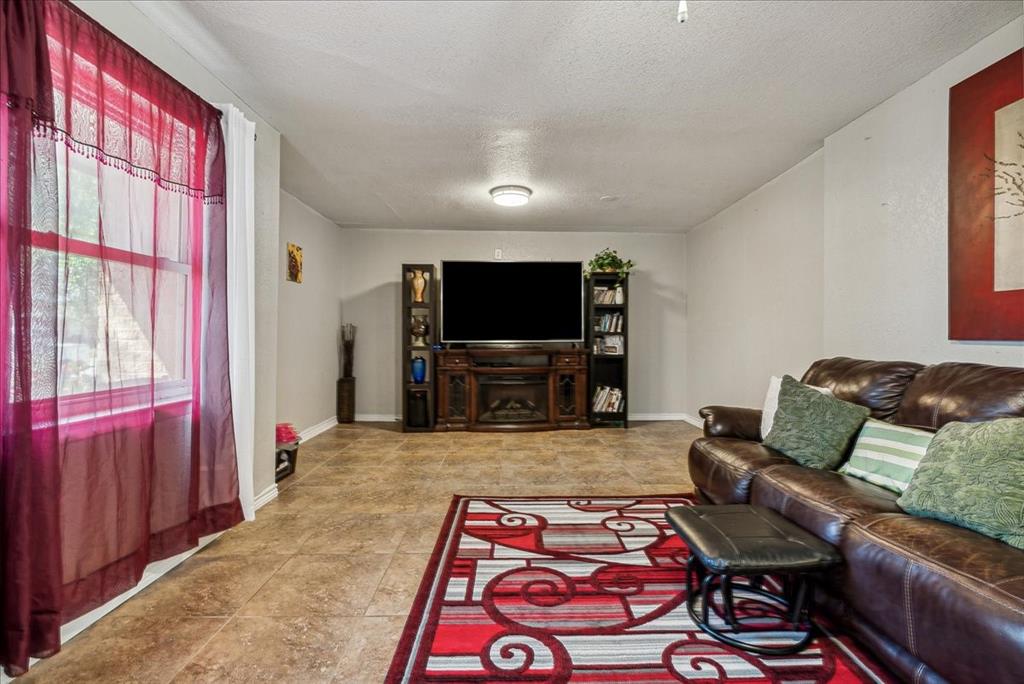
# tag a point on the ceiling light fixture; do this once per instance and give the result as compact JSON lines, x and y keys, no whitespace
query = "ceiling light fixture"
{"x":511,"y":195}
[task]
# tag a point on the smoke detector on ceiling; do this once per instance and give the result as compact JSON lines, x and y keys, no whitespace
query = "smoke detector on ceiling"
{"x":682,"y":14}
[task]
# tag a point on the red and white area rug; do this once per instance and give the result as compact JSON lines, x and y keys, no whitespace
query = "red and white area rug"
{"x":548,"y":589}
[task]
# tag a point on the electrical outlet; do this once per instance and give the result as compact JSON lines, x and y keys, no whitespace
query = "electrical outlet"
{"x":497,"y":254}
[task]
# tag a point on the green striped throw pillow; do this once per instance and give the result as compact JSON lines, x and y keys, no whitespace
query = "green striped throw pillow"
{"x":887,"y":455}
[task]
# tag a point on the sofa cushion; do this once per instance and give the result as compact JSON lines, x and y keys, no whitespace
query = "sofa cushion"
{"x":951,"y":597}
{"x":821,"y":501}
{"x":887,"y":455}
{"x":879,"y":385}
{"x":771,"y":403}
{"x":812,"y":428}
{"x":962,"y":392}
{"x":973,"y":476}
{"x":722,"y":468}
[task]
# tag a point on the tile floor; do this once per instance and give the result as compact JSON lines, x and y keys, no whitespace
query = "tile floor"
{"x":317,"y":588}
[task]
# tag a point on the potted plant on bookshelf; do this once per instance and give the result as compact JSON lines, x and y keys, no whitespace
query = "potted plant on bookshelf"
{"x":609,"y":261}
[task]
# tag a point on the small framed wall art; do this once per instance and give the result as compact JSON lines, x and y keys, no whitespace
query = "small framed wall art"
{"x":294,"y":263}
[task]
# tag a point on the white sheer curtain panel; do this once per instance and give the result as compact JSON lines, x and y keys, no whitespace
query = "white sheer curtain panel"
{"x":240,"y":146}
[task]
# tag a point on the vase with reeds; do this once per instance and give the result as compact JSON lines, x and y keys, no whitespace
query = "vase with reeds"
{"x":347,"y":383}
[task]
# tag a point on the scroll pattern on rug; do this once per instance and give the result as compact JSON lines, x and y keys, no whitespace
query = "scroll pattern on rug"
{"x":580,"y":590}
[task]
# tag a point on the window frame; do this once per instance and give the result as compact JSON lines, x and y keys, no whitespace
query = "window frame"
{"x":124,"y":400}
{"x":82,"y":405}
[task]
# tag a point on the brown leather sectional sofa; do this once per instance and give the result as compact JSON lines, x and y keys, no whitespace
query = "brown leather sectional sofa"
{"x":934,"y":602}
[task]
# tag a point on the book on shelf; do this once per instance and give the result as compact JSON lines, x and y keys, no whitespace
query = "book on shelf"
{"x":605,"y":295}
{"x":607,"y":399}
{"x":610,"y":345}
{"x":608,"y":323}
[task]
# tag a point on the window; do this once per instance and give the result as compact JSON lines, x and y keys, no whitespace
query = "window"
{"x":124,"y":286}
{"x":117,"y":397}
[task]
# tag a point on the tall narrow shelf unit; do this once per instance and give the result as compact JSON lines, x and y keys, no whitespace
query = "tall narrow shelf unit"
{"x":608,"y":339}
{"x":418,"y":403}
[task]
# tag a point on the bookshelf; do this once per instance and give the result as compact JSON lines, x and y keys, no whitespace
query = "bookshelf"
{"x":419,"y":330}
{"x":608,"y":340}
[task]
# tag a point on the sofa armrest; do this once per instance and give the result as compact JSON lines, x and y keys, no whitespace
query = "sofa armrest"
{"x":732,"y":421}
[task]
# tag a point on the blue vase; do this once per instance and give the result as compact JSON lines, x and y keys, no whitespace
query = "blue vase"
{"x":419,"y":369}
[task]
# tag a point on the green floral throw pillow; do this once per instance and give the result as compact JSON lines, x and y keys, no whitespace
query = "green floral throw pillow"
{"x":812,"y":428}
{"x":973,"y":476}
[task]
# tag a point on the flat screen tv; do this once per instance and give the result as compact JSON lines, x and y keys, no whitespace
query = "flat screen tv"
{"x":498,"y":302}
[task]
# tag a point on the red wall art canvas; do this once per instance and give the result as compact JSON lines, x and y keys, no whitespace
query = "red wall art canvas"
{"x":986,"y":203}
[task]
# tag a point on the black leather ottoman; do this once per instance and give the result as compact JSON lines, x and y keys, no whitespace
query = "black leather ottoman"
{"x":740,"y":540}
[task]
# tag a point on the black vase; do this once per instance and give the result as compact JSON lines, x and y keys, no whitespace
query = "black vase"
{"x":418,"y":410}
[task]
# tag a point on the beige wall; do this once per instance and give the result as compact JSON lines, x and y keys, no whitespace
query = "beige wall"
{"x":844,"y":254}
{"x":372,"y":300}
{"x":754,"y":290}
{"x":309,"y":317}
{"x":130,"y":25}
{"x":886,"y":175}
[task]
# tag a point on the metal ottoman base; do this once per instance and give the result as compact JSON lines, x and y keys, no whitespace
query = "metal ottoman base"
{"x":798,"y":606}
{"x":751,"y":542}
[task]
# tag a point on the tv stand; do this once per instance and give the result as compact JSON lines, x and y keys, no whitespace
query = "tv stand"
{"x":512,"y":389}
{"x":505,"y":345}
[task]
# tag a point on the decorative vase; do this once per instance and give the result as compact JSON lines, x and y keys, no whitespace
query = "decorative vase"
{"x":419,"y":416}
{"x":419,"y":370}
{"x":620,"y":296}
{"x":419,"y":285}
{"x":346,"y":400}
{"x":419,"y":329}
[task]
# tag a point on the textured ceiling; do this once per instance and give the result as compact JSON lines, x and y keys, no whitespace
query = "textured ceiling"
{"x":404,"y":114}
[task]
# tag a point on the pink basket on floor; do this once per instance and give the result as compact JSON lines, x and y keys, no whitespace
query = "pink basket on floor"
{"x":286,"y":434}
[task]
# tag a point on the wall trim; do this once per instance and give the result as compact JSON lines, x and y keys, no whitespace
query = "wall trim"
{"x":152,"y":573}
{"x":686,"y":417}
{"x":390,"y":418}
{"x":659,"y":416}
{"x":266,"y":496}
{"x":322,"y":426}
{"x":376,"y":417}
{"x":694,"y":420}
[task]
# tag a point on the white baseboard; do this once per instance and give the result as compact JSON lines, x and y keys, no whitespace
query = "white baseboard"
{"x":388,"y":417}
{"x":152,"y":573}
{"x":376,"y":417}
{"x":694,"y":420}
{"x":266,"y":496}
{"x":322,"y":426}
{"x":659,"y":416}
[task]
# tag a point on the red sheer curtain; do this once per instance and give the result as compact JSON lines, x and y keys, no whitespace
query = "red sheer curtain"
{"x":118,"y":447}
{"x":30,"y":570}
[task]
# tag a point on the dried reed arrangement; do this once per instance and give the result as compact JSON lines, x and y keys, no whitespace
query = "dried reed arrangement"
{"x":348,"y":345}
